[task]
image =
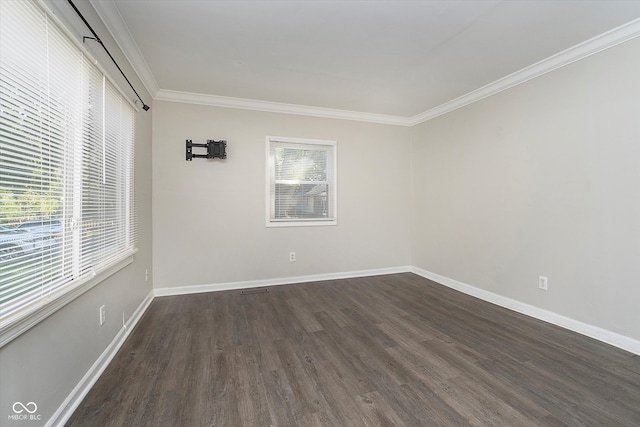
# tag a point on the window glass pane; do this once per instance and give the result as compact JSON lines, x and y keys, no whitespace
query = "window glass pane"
{"x":88,"y":203}
{"x":294,"y":164}
{"x":38,"y":112}
{"x":300,"y":201}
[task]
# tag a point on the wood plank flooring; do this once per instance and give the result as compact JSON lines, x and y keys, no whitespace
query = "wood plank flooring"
{"x":378,"y":351}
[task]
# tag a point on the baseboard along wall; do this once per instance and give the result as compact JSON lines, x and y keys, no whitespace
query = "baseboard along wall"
{"x":600,"y":334}
{"x":69,"y":405}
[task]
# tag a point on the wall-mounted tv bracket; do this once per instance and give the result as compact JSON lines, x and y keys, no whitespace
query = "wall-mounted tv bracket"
{"x":215,"y":149}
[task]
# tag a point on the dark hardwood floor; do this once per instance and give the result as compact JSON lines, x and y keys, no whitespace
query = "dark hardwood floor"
{"x":389,"y":350}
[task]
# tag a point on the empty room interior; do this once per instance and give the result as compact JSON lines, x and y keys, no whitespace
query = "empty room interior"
{"x":314,"y":213}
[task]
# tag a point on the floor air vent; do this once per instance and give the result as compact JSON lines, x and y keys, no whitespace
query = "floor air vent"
{"x":255,"y":291}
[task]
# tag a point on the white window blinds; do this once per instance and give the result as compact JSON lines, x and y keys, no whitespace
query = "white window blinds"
{"x":66,"y":164}
{"x":301,"y":182}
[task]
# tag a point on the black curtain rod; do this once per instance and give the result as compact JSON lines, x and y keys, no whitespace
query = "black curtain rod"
{"x":95,"y":37}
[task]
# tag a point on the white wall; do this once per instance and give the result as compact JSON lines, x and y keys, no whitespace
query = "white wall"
{"x":44,"y":364}
{"x":209,"y":215}
{"x":542,"y":179}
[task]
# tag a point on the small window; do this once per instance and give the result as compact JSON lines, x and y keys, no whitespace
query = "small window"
{"x":301,"y":182}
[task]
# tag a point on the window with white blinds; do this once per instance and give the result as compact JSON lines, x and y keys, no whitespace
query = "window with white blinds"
{"x":301,"y":182}
{"x":66,"y":165}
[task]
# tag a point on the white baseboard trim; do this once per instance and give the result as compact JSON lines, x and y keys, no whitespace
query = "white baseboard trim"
{"x":195,"y":289}
{"x":71,"y":403}
{"x":600,"y":334}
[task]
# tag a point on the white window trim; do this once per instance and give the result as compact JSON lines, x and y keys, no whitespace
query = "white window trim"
{"x":20,"y":321}
{"x":332,"y":175}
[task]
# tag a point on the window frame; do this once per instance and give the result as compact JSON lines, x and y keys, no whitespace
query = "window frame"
{"x":17,"y":321}
{"x":331,"y":174}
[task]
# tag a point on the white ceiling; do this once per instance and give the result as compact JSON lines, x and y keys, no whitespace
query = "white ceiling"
{"x":398,"y":58}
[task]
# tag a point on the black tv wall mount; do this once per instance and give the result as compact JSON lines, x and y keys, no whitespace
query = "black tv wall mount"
{"x":215,"y":150}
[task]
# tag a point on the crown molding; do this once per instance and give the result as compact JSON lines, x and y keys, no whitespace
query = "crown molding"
{"x":580,"y":51}
{"x":573,"y":54}
{"x":278,"y":107}
{"x":110,"y":15}
{"x":108,"y":12}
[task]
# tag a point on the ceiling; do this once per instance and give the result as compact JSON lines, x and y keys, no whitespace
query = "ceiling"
{"x":397,"y":58}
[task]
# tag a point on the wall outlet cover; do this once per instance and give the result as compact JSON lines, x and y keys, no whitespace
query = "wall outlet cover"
{"x":543,"y":283}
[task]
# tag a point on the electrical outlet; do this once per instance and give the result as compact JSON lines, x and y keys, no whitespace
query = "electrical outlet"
{"x":292,"y":256}
{"x":103,"y":314}
{"x":543,"y":283}
{"x":146,"y":275}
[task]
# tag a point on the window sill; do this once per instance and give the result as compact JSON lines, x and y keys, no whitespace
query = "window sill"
{"x":20,"y":323}
{"x":310,"y":223}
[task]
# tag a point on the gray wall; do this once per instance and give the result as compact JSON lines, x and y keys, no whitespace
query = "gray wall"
{"x":44,"y":364}
{"x":542,"y":179}
{"x":209,"y":215}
